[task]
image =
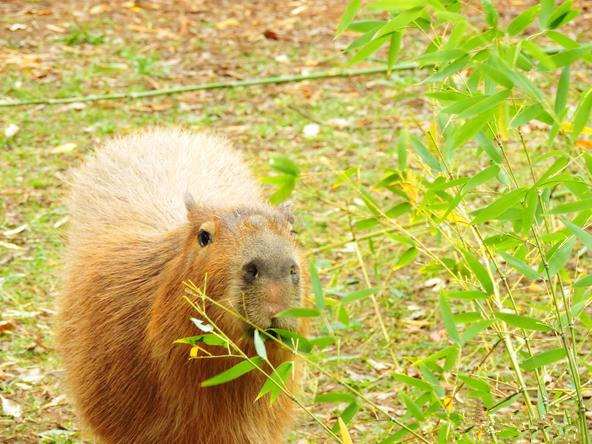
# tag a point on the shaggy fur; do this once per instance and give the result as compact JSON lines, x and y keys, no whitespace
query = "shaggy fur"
{"x":132,"y":242}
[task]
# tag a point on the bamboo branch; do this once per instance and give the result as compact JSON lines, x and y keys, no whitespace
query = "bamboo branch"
{"x":214,"y":85}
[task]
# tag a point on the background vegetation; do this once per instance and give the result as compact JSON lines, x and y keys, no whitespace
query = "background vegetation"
{"x":445,"y":208}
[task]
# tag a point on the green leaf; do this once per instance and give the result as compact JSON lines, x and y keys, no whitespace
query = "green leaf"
{"x":468,"y":295}
{"x":400,"y":21}
{"x":357,"y":295}
{"x":315,"y":283}
{"x":499,"y":206}
{"x":209,"y":339}
{"x":425,"y":154}
{"x":347,"y":415}
{"x":495,"y":74}
{"x":572,"y":207}
{"x":406,"y":258}
{"x":284,"y":165}
{"x":450,"y":69}
{"x":503,"y":403}
{"x":276,"y":381}
{"x":485,"y":104}
{"x":585,"y":237}
{"x":546,"y":11}
{"x":474,"y":329}
{"x":562,"y":91}
{"x":491,"y":16}
{"x":526,"y":115}
{"x":469,"y":129}
{"x":233,"y":372}
{"x":520,"y":23}
{"x":586,"y":281}
{"x":570,"y":56}
{"x":448,"y":321}
{"x":582,"y":113}
{"x":520,"y":266}
{"x":259,"y":345}
{"x":393,"y":51}
{"x":524,"y":322}
{"x":479,"y":271}
{"x":335,"y":397}
{"x":412,"y":407}
{"x":415,"y":382}
{"x":545,"y":358}
{"x":561,"y":256}
{"x":488,"y":146}
{"x":531,"y":48}
{"x":480,"y":178}
{"x":398,"y":210}
{"x":348,"y":16}
{"x":300,"y":312}
{"x":367,"y":50}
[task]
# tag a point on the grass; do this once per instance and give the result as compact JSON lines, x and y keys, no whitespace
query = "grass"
{"x":264,"y":122}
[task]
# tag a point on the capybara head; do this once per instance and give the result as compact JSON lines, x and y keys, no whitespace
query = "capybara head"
{"x":247,"y":260}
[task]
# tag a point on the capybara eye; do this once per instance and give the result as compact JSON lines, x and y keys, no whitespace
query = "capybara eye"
{"x":294,"y":274}
{"x":204,"y":238}
{"x":251,"y":272}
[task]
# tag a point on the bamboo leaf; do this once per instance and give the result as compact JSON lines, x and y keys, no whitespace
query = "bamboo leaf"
{"x":520,"y":23}
{"x":345,"y":437}
{"x":561,"y":256}
{"x":582,"y":113}
{"x":480,"y":272}
{"x":520,"y":266}
{"x":485,"y":104}
{"x":357,"y":295}
{"x":415,"y":382}
{"x":562,"y":91}
{"x":585,"y":237}
{"x":299,"y":312}
{"x":315,"y":283}
{"x":499,"y":206}
{"x":259,"y":345}
{"x":545,"y":358}
{"x":524,"y":322}
{"x":448,"y":321}
{"x":572,"y":207}
{"x":348,"y":16}
{"x":233,"y":372}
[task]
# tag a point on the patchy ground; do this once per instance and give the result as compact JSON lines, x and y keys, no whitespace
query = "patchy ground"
{"x":73,"y":48}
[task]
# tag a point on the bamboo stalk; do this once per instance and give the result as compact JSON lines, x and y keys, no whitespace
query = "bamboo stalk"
{"x":214,"y":85}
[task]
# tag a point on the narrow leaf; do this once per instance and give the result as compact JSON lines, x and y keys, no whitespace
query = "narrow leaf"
{"x":498,"y":207}
{"x":520,"y":266}
{"x":448,"y":321}
{"x":259,"y":345}
{"x":233,"y":372}
{"x":299,"y":313}
{"x":545,"y":358}
{"x":524,"y":322}
{"x":348,"y":16}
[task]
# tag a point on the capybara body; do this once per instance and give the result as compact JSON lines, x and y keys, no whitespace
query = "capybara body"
{"x":148,"y":213}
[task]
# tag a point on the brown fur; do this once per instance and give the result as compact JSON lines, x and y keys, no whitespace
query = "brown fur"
{"x":121,"y":308}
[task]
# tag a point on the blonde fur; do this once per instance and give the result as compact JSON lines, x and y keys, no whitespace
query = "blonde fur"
{"x":131,"y":244}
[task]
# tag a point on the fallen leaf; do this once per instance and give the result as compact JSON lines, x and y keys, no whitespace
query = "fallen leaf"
{"x":99,"y":9}
{"x":228,"y":23}
{"x":17,"y":230}
{"x":311,"y":130}
{"x":583,"y":143}
{"x":32,"y":376}
{"x":271,"y":35}
{"x":65,"y":148}
{"x":7,"y":325}
{"x":11,"y":130}
{"x":11,"y":408}
{"x":17,"y":27}
{"x":55,"y":28}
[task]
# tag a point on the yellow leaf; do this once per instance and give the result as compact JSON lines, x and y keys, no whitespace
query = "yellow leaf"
{"x":567,"y":127}
{"x":448,"y":403}
{"x":194,"y":351}
{"x":344,"y":432}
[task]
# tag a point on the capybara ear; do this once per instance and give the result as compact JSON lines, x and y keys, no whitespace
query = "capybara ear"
{"x":190,"y":204}
{"x":285,"y":209}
